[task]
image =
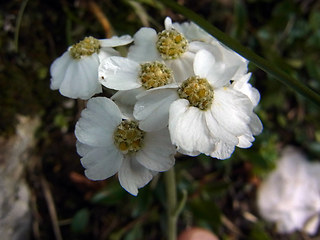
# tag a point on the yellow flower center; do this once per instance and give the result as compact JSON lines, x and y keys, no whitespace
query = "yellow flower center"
{"x":197,"y":91}
{"x":128,"y":137}
{"x":154,"y":75}
{"x":171,"y":44}
{"x":86,"y":47}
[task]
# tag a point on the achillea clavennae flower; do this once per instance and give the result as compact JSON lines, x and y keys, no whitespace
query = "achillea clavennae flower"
{"x":110,"y":144}
{"x":75,"y":73}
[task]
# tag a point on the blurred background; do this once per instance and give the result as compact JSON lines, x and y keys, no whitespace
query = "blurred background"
{"x":37,"y":124}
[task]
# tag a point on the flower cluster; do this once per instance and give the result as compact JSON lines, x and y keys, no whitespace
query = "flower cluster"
{"x":177,"y":90}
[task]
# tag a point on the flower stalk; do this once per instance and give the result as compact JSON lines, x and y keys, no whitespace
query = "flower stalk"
{"x":260,"y":62}
{"x":171,"y":191}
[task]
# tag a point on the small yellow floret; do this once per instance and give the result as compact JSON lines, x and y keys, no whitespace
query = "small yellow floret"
{"x":171,"y":44}
{"x":86,"y":47}
{"x":198,"y":92}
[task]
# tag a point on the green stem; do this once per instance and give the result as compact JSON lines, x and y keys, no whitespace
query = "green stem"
{"x":246,"y":53}
{"x":171,"y":191}
{"x":18,"y":24}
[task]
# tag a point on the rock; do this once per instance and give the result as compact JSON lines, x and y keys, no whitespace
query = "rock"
{"x":15,"y":211}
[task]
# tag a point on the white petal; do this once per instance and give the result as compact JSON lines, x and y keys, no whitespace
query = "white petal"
{"x":232,"y":110}
{"x":119,"y":73}
{"x":132,"y":175}
{"x":83,"y":149}
{"x":245,"y":141}
{"x":182,"y":67}
{"x":213,"y":49}
{"x":255,"y":124}
{"x":81,"y":78}
{"x":126,"y":100}
{"x":157,"y":152}
{"x":144,"y":48}
{"x":217,"y":73}
{"x":193,"y":32}
{"x":222,"y":151}
{"x":243,"y":86}
{"x":188,"y":128}
{"x":203,"y":61}
{"x":231,"y":58}
{"x":101,"y":163}
{"x":153,"y":108}
{"x":192,"y":153}
{"x":116,"y":41}
{"x":58,"y":70}
{"x":127,"y":97}
{"x":97,"y":122}
{"x":218,"y":131}
{"x":107,"y":52}
{"x":168,"y":23}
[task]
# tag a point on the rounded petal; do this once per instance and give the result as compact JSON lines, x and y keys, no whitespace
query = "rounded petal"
{"x":203,"y":61}
{"x":245,"y":141}
{"x":119,"y":73}
{"x":132,"y":175}
{"x":107,"y":52}
{"x":218,"y":131}
{"x":152,"y":109}
{"x":116,"y":41}
{"x":144,"y":48}
{"x":58,"y":70}
{"x":168,"y":23}
{"x":222,"y":150}
{"x":82,"y":149}
{"x":188,"y":128}
{"x":97,"y":122}
{"x":232,"y":110}
{"x":157,"y":152}
{"x":213,"y":49}
{"x":81,"y":78}
{"x":206,"y":66}
{"x":231,"y":58}
{"x":183,"y":67}
{"x":243,"y":86}
{"x":193,"y":32}
{"x":126,"y":100}
{"x":255,"y":124}
{"x":101,"y":163}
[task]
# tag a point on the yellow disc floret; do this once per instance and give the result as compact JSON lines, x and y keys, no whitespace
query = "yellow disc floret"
{"x":155,"y":74}
{"x":128,"y":137}
{"x":86,"y":47}
{"x":197,"y":91}
{"x":171,"y":44}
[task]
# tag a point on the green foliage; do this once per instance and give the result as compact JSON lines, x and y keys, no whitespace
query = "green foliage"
{"x":80,"y":220}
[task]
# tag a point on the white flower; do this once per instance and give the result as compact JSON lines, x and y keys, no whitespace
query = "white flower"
{"x":75,"y":73}
{"x":169,"y":46}
{"x":122,"y":73}
{"x":206,"y":114}
{"x":290,"y":195}
{"x":132,"y":78}
{"x":109,"y":144}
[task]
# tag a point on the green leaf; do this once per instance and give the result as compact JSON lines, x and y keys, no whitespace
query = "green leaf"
{"x":259,"y":233}
{"x":110,"y":195}
{"x":80,"y":220}
{"x":206,"y":210}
